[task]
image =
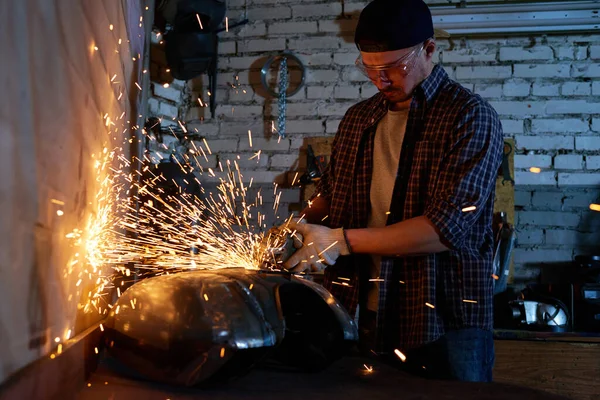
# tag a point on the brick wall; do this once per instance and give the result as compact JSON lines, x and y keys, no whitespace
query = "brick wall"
{"x":545,"y":89}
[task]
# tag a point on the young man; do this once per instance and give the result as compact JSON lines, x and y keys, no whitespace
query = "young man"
{"x":408,"y":201}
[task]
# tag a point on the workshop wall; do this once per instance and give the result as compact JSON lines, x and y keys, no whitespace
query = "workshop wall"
{"x":69,"y":92}
{"x":545,"y":89}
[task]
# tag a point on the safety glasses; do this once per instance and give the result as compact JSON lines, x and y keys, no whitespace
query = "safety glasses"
{"x":401,"y":66}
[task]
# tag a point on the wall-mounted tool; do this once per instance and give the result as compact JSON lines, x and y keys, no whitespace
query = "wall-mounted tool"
{"x":191,"y":40}
{"x":315,"y":166}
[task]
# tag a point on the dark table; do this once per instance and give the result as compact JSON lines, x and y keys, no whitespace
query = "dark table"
{"x":346,"y":379}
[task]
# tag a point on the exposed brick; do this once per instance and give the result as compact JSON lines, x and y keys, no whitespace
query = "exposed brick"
{"x":331,"y":125}
{"x":512,"y":126}
{"x":518,"y":88}
{"x":317,"y":10}
{"x":578,"y":179}
{"x":488,"y":91}
{"x":313,"y":59}
{"x":570,"y":238}
{"x":568,"y":161}
{"x":167,"y":110}
{"x":322,"y":75}
{"x":469,"y":56}
{"x":219,"y":145}
{"x":295,"y":28}
{"x":518,"y":108}
{"x":288,"y":161}
{"x":596,"y":88}
{"x":542,"y":70}
{"x":563,"y":53}
{"x":571,"y":107}
{"x":586,"y":70}
{"x":324,"y":42}
{"x":546,"y":89}
{"x":240,"y":62}
{"x":153,"y":105}
{"x":246,"y":160}
{"x":548,"y":200}
{"x":581,"y":199}
{"x":264,"y":144}
{"x":529,"y":178}
{"x":530,"y":237}
{"x":596,"y":124}
{"x":319,"y":92}
{"x":260,"y":45}
{"x":346,"y":92}
{"x":521,"y":54}
{"x":238,"y":111}
{"x":338,"y":25}
{"x":268,"y":13}
{"x":548,"y":218}
{"x":344,"y":58}
{"x":297,"y":109}
{"x":483,"y":72}
{"x":207,"y":128}
{"x":335,"y":109}
{"x":305,"y":126}
{"x":592,"y":162}
{"x":522,"y":198}
{"x":227,"y":47}
{"x":581,"y":53}
{"x":576,"y":89}
{"x":253,"y":29}
{"x":559,"y":125}
{"x":169,"y":93}
{"x":595,"y":52}
{"x":537,"y":256}
{"x":532,"y":160}
{"x":587,"y":143}
{"x":540,"y":142}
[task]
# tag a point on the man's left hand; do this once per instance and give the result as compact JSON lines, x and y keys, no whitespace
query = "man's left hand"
{"x":321,"y":247}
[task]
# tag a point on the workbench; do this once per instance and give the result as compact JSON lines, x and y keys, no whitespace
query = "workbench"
{"x":346,"y":379}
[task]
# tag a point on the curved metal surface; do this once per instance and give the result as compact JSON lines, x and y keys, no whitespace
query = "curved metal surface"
{"x":190,"y":327}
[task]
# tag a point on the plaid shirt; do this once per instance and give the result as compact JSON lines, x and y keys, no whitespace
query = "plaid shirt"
{"x":450,"y":156}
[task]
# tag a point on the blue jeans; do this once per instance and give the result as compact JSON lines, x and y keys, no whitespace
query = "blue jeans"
{"x":464,"y":355}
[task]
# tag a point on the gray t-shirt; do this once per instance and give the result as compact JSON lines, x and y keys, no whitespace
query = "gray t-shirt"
{"x":386,"y":156}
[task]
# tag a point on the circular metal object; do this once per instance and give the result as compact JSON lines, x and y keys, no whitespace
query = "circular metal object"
{"x":267,"y":66}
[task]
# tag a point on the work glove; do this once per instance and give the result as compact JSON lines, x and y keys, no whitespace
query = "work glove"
{"x":321,"y":247}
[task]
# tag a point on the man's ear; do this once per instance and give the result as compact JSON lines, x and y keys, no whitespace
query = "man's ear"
{"x":430,"y":47}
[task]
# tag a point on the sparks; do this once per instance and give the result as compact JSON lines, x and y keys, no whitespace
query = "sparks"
{"x":250,"y":137}
{"x":468,"y":209}
{"x":535,"y":170}
{"x":400,"y":355}
{"x":199,"y":21}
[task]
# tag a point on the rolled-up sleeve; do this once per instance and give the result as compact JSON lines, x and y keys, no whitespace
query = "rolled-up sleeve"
{"x":467,"y":174}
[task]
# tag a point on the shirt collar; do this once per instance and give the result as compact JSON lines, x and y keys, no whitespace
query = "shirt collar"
{"x":427,"y":89}
{"x":432,"y":84}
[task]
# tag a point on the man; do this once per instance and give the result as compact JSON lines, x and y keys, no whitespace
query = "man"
{"x":408,"y":201}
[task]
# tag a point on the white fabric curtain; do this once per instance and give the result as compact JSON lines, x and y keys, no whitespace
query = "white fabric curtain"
{"x":57,"y":58}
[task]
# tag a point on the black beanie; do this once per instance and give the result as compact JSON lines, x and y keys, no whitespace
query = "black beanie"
{"x":386,"y":25}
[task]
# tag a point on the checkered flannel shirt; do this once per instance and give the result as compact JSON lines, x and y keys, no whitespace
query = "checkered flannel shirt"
{"x":450,"y":158}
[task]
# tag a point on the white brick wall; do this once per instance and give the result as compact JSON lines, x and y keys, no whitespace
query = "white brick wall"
{"x":547,"y":96}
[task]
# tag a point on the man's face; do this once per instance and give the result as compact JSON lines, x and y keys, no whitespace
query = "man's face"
{"x":397,"y":73}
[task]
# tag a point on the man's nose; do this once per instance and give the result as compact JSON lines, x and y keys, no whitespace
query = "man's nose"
{"x":382,"y":81}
